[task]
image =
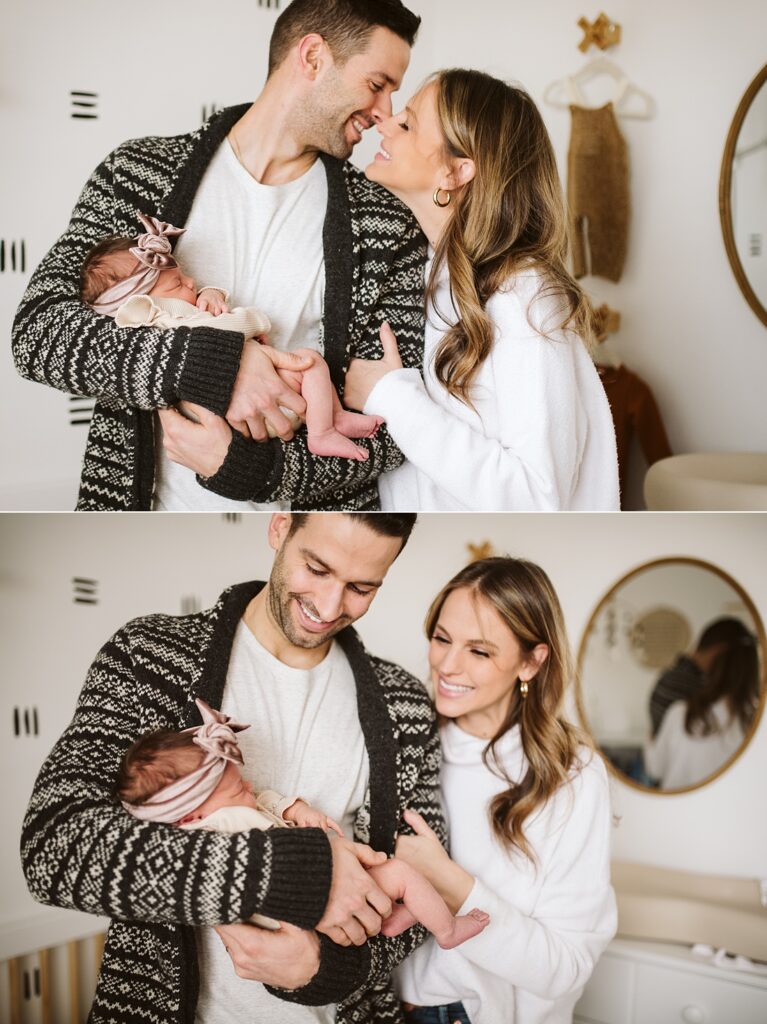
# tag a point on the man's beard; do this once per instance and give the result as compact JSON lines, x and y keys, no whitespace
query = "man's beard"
{"x":280,"y":603}
{"x":321,"y":122}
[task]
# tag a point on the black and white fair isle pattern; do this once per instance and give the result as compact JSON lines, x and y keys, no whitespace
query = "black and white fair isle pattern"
{"x":374,"y":261}
{"x":80,"y":850}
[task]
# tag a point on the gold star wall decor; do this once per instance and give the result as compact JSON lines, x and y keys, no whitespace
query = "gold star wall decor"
{"x":602,"y":33}
{"x":482,"y":550}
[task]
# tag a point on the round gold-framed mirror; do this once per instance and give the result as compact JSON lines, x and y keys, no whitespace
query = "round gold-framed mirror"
{"x":671,"y":682}
{"x":743,"y":195}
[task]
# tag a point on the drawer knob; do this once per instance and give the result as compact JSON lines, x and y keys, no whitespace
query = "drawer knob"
{"x":693,"y":1015}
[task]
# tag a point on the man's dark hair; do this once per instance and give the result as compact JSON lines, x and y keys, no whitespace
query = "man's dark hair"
{"x":386,"y":524}
{"x":345,"y":25}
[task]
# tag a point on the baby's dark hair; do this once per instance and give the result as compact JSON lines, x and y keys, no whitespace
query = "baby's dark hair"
{"x":98,"y":272}
{"x":154,"y":761}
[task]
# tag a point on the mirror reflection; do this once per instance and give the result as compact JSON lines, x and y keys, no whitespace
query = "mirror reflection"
{"x":670,"y":674}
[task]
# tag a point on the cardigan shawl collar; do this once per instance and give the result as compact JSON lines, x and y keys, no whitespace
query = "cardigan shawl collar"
{"x":337,"y":232}
{"x":377,"y":725}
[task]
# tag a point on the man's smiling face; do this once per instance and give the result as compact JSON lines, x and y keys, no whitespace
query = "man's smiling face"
{"x":349,"y":98}
{"x":325,"y":575}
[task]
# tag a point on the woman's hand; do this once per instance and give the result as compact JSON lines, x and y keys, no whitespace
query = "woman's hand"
{"x":363,"y":374}
{"x":200,"y":446}
{"x":426,"y":854}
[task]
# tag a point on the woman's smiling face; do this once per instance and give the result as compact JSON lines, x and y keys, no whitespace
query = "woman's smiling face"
{"x":475,"y":662}
{"x":411,"y":158}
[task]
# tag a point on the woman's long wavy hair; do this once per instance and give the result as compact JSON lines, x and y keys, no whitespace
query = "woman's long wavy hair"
{"x":523,"y":596}
{"x":733,"y":677}
{"x":510,"y":216}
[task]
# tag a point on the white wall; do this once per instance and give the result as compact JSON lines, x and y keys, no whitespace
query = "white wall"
{"x":142,"y":564}
{"x":686,"y":328}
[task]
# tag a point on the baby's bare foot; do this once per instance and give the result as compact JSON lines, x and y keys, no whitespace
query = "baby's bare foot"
{"x":464,"y":927}
{"x":330,"y":442}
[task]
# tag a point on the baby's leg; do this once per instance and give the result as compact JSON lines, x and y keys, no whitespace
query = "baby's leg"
{"x":320,"y":397}
{"x":353,"y":424}
{"x":423,"y":903}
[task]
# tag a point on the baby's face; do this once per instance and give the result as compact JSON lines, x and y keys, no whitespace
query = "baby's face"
{"x":173,"y":284}
{"x":232,"y":791}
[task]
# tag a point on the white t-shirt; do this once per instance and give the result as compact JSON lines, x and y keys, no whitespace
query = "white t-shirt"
{"x":677,"y":759}
{"x":547,"y":926}
{"x":540,"y":436}
{"x":305,"y":739}
{"x":264,"y":244}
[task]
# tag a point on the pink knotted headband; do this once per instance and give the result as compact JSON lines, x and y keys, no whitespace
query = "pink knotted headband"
{"x":216,"y":736}
{"x":154,"y":253}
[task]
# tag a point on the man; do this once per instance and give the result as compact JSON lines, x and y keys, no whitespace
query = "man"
{"x":350,"y":733}
{"x":274,"y":213}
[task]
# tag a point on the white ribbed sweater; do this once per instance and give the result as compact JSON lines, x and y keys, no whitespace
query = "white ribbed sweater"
{"x":547,"y":927}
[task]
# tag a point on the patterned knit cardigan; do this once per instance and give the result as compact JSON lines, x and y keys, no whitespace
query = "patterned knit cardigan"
{"x":374,"y":259}
{"x":81,"y":850}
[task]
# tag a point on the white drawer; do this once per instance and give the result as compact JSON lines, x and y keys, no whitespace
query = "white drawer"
{"x":681,"y":997}
{"x":608,"y":994}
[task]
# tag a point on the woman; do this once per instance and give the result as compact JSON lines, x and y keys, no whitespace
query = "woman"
{"x":511,"y":414}
{"x":698,"y":735}
{"x":527,"y":805}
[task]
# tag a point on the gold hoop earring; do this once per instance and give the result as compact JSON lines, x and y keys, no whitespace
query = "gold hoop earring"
{"x":524,"y":688}
{"x":435,"y":197}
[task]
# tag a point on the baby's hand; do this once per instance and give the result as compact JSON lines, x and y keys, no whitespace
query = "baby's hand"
{"x":301,"y":814}
{"x":211,"y":300}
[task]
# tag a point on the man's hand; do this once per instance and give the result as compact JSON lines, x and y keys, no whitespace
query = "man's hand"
{"x":288,"y":958}
{"x":212,"y":300}
{"x":200,"y":445}
{"x":356,"y":906}
{"x":259,"y":392}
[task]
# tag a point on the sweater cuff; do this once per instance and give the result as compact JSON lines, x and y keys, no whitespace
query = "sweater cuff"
{"x":248,"y":470}
{"x":471,"y":900}
{"x":296,"y":867}
{"x":210,"y":368}
{"x":342,"y":970}
{"x":383,"y":397}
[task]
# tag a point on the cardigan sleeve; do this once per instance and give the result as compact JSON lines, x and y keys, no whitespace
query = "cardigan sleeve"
{"x":552,"y":951}
{"x":59,"y":341}
{"x":529,"y":460}
{"x":81,"y":850}
{"x":345,"y":969}
{"x":287,"y":471}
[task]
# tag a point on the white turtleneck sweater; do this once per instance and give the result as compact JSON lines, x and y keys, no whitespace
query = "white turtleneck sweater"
{"x":540,"y":437}
{"x":547,"y":926}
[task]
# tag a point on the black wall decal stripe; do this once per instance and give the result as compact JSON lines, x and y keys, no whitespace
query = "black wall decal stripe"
{"x":85,"y":590}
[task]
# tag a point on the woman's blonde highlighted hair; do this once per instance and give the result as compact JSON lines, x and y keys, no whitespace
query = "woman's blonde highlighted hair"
{"x":522,"y":595}
{"x":510,"y":216}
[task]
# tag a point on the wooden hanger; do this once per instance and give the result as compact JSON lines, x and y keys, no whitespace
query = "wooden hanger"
{"x":565,"y":92}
